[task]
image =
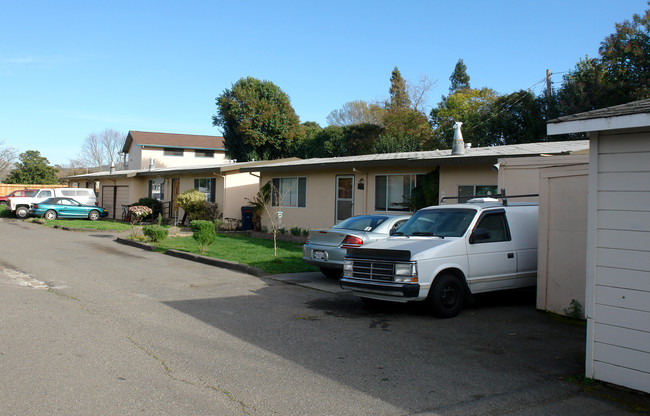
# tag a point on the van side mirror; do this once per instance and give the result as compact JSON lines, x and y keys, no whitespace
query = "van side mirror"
{"x":479,"y":235}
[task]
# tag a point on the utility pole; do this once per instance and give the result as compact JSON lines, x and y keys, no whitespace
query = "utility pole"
{"x":548,"y":87}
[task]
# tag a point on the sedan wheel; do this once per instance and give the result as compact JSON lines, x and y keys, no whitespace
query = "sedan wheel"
{"x":94,"y":215}
{"x":50,"y":214}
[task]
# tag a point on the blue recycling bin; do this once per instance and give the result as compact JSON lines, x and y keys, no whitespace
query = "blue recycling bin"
{"x":246,"y":218}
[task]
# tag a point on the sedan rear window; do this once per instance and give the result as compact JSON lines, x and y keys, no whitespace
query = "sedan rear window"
{"x":361,"y":223}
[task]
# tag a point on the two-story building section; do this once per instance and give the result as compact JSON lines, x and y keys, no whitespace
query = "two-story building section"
{"x":143,"y":149}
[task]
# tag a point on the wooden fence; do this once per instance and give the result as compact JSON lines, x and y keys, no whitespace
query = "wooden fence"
{"x":7,"y":188}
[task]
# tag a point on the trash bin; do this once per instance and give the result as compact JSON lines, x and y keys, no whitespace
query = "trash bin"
{"x":246,"y":218}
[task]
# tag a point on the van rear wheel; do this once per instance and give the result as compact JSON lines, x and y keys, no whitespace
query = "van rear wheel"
{"x":446,"y":296}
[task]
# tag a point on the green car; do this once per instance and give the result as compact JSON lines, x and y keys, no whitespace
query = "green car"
{"x":53,"y":208}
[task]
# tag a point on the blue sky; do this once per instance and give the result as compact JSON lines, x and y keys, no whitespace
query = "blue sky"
{"x":70,"y":68}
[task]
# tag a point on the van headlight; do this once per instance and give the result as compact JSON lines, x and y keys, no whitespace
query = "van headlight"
{"x":406,"y":272}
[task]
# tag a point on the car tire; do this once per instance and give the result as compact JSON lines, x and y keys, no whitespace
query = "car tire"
{"x":446,"y":296}
{"x":50,"y":214}
{"x":331,"y":273}
{"x":93,"y":215}
{"x":22,"y":212}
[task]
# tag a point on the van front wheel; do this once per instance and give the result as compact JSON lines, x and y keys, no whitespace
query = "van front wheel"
{"x":22,"y":212}
{"x":446,"y":296}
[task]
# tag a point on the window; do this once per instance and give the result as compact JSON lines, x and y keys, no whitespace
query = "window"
{"x":172,"y":151}
{"x":466,"y":192}
{"x":203,"y":153}
{"x":393,"y":192}
{"x":289,"y":192}
{"x":157,"y":189}
{"x":492,"y":228}
{"x":206,"y":186}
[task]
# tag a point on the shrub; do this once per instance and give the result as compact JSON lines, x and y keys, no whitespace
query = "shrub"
{"x":154,"y":204}
{"x":295,"y":231}
{"x":155,"y":232}
{"x":211,"y":212}
{"x":193,"y":203}
{"x":203,"y":233}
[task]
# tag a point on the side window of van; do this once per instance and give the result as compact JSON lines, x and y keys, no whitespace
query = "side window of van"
{"x":45,"y":194}
{"x":492,"y":228}
{"x":67,"y":192}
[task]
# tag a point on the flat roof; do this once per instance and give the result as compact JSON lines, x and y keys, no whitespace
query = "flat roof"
{"x":472,"y":155}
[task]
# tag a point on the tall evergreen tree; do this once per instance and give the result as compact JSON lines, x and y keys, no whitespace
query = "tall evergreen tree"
{"x":459,"y":78}
{"x":399,"y":97}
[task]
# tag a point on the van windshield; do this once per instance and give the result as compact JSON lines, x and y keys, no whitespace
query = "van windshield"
{"x":449,"y":222}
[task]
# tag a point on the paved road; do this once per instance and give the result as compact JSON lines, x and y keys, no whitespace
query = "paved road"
{"x":89,"y":326}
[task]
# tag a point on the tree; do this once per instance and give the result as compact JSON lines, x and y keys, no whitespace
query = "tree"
{"x":405,"y":130}
{"x":306,"y":147}
{"x":517,"y":118}
{"x":625,"y":56}
{"x":258,"y":121}
{"x":419,"y":92}
{"x":399,"y":97}
{"x":583,"y":89}
{"x":356,"y":112}
{"x":473,"y":108}
{"x":8,"y":156}
{"x":459,"y":78}
{"x":100,"y":149}
{"x":33,"y":169}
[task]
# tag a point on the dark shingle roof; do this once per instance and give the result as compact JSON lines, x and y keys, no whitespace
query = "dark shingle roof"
{"x":636,"y":107}
{"x":186,"y":141}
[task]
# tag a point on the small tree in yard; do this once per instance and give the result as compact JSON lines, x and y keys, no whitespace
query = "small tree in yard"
{"x":204,"y":234}
{"x":193,"y":203}
{"x":261,"y":202}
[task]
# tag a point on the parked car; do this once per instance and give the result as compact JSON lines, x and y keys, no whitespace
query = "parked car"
{"x":326,"y":248}
{"x":54,"y":208}
{"x":446,"y":253}
{"x":17,"y":193}
{"x":20,"y":205}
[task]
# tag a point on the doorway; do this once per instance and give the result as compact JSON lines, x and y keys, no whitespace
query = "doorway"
{"x":344,"y":197}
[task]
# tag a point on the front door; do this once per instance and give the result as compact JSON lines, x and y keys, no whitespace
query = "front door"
{"x":176,"y":184}
{"x":344,"y":197}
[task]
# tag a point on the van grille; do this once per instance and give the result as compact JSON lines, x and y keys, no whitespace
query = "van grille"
{"x":375,"y":270}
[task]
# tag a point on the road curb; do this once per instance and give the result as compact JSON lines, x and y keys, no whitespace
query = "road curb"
{"x":225,"y":264}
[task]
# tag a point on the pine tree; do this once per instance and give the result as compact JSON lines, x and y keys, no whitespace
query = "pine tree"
{"x":459,"y":78}
{"x":399,"y":97}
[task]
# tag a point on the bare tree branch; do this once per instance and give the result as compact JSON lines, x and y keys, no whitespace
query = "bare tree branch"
{"x":8,"y":156}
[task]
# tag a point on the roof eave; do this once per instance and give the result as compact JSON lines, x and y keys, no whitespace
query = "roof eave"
{"x":598,"y":124}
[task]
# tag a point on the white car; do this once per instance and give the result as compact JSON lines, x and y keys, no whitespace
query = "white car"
{"x":326,"y":248}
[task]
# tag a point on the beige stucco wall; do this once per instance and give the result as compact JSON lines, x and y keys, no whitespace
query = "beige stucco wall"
{"x":139,"y":158}
{"x":321,"y":190}
{"x":451,"y":177}
{"x":231,"y":189}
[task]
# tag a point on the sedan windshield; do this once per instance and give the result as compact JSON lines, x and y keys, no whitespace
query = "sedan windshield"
{"x":361,"y":223}
{"x":451,"y":222}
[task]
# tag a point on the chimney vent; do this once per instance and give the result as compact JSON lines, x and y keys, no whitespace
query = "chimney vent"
{"x":458,"y":146}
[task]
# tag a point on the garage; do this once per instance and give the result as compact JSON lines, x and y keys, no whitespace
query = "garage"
{"x":113,"y":197}
{"x":617,"y":298}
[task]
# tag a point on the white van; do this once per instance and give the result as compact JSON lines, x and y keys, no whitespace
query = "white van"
{"x":20,"y":205}
{"x":445,"y":253}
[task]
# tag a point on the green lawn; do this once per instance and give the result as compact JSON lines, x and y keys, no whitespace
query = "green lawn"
{"x":101,"y":225}
{"x":256,"y":252}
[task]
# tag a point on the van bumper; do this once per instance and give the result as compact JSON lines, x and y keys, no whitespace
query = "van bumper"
{"x":391,"y":289}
